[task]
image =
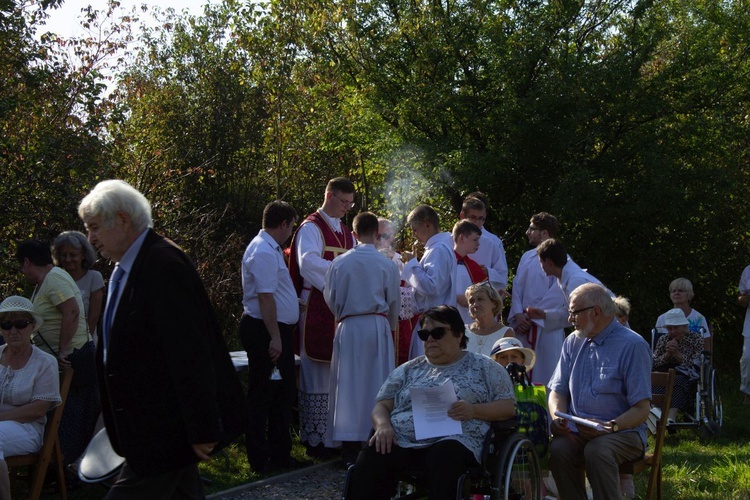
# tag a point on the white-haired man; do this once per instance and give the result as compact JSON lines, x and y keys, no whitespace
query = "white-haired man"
{"x":168,"y":388}
{"x":604,"y":377}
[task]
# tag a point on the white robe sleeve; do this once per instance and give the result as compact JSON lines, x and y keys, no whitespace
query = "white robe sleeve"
{"x":312,"y":266}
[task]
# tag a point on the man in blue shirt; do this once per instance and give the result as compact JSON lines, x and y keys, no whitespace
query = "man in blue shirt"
{"x":604,"y":377}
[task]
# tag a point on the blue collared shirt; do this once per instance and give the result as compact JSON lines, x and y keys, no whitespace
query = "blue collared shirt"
{"x":604,"y":376}
{"x":127,"y":261}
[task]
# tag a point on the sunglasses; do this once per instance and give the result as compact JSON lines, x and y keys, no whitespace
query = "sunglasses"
{"x":435,"y":333}
{"x":19,"y":324}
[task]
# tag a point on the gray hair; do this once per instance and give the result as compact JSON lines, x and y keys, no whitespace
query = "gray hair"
{"x":110,"y":197}
{"x":594,"y":294}
{"x":77,"y":240}
{"x":622,"y":306}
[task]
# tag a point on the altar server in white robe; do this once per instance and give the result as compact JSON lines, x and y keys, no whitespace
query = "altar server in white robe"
{"x":362,"y":290}
{"x":533,"y":288}
{"x":555,"y":262}
{"x":491,"y":252}
{"x":432,"y":277}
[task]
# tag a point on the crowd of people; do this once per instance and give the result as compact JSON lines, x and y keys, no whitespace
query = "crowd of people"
{"x":369,"y":323}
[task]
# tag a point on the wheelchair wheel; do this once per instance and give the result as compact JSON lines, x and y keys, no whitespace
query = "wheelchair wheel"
{"x":714,"y":408}
{"x":519,"y":475}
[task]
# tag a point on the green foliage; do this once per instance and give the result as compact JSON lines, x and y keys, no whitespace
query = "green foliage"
{"x":50,"y":124}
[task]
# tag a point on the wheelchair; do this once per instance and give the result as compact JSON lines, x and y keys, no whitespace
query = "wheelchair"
{"x":510,"y":470}
{"x":708,"y":412}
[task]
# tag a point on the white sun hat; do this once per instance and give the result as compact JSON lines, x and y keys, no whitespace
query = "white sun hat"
{"x":512,"y":343}
{"x":675,"y":317}
{"x":15,"y":303}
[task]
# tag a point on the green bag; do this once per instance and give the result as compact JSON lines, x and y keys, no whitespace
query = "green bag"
{"x":531,"y":410}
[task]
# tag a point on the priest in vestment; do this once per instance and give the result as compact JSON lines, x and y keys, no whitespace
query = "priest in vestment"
{"x":320,"y":238}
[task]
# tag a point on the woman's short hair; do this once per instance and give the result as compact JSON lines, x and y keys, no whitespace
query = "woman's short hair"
{"x":622,"y":306}
{"x":110,"y":197}
{"x":77,"y":240}
{"x":36,"y":251}
{"x":451,"y":317}
{"x":489,"y":290}
{"x":682,"y":284}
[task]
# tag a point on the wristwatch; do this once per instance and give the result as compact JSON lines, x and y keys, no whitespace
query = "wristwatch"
{"x":614,"y":426}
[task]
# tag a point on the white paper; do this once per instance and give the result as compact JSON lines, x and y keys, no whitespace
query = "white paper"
{"x":430,"y":407}
{"x":581,"y":421}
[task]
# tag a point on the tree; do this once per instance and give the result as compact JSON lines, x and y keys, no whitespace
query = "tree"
{"x":50,"y":129}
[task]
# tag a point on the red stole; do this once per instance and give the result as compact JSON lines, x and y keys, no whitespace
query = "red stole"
{"x":476,"y":273}
{"x":320,"y":327}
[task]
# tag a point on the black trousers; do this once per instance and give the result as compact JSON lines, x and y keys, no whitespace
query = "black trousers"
{"x":376,"y":475}
{"x":178,"y":484}
{"x":269,"y":401}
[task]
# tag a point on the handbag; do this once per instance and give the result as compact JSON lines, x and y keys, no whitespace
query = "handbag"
{"x":82,"y":361}
{"x":531,"y":408}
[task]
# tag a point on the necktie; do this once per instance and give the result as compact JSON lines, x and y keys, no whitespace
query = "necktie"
{"x":109,"y":313}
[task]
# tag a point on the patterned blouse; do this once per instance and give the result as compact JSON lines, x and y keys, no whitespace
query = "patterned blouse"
{"x":476,"y":378}
{"x":690,"y":346}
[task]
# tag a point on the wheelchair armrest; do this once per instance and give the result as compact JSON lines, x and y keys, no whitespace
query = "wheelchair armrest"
{"x":504,"y":425}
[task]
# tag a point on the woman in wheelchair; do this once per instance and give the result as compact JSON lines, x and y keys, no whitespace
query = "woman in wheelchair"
{"x":678,"y":349}
{"x":485,"y":394}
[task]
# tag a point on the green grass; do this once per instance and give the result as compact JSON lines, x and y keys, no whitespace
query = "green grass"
{"x":698,"y":466}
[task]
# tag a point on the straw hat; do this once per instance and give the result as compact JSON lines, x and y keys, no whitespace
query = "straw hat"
{"x":675,"y":317}
{"x":512,"y":343}
{"x":14,"y":303}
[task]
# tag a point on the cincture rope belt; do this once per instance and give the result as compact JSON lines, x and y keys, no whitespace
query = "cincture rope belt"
{"x":362,"y":314}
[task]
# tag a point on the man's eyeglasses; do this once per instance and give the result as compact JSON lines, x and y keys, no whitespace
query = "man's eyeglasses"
{"x":344,"y":202}
{"x":575,"y":313}
{"x":534,"y":228}
{"x":19,"y":324}
{"x":477,"y":219}
{"x":384,"y":236}
{"x":436,"y":333}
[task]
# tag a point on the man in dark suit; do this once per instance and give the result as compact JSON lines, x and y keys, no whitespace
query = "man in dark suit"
{"x":169,"y":391}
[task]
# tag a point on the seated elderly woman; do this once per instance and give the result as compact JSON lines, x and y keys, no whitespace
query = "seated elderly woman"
{"x":29,"y":385}
{"x":485,"y":307}
{"x":485,"y":394}
{"x":679,"y":348}
{"x":681,"y":294}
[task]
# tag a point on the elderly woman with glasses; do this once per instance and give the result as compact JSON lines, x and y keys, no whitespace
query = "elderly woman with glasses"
{"x":29,"y":385}
{"x":73,"y":252}
{"x":681,"y":294}
{"x":485,"y":308}
{"x":484,"y":392}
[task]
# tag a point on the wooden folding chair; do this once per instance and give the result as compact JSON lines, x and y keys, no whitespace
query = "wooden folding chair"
{"x":50,"y":447}
{"x":653,"y":460}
